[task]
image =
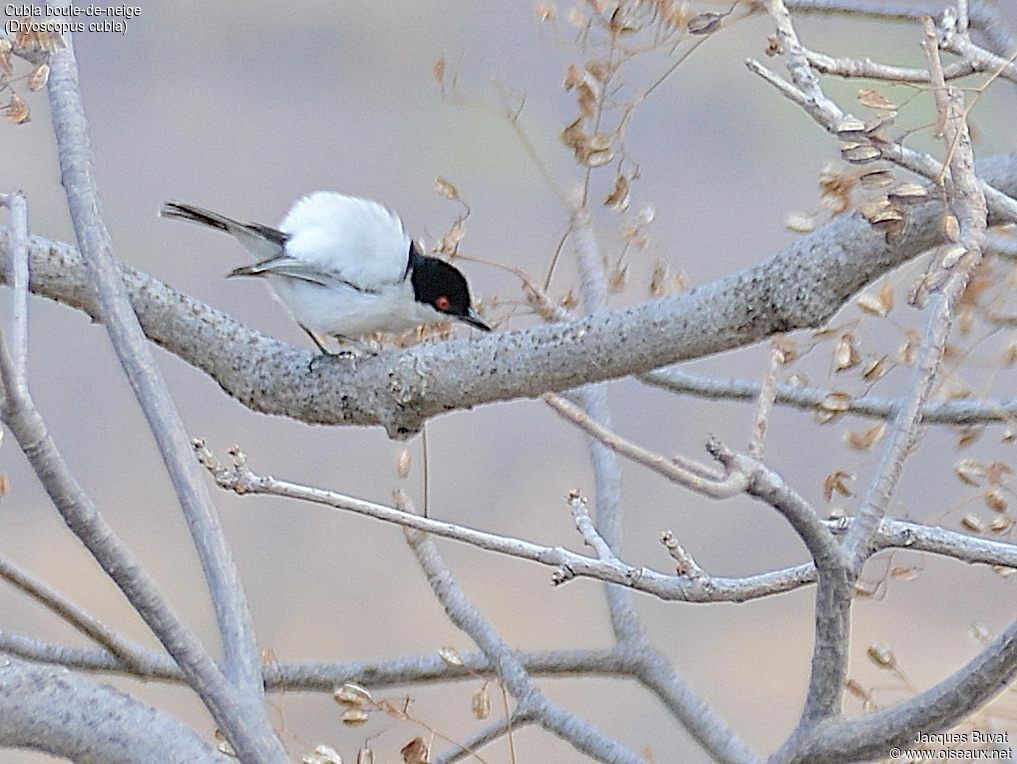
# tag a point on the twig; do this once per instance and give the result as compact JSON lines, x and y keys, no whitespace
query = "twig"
{"x":678,"y":470}
{"x":131,"y":654}
{"x":960,"y":411}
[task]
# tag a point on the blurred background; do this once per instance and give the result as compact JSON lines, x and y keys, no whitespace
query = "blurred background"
{"x":243,"y":108}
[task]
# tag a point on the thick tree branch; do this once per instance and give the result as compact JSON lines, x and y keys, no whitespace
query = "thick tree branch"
{"x":800,"y":287}
{"x":51,"y":709}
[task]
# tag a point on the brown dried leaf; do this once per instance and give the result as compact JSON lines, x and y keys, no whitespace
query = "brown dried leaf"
{"x":438,"y":70}
{"x":800,"y":222}
{"x":908,"y":193}
{"x":446,"y":189}
{"x":995,"y":501}
{"x":863,"y":441}
{"x":860,"y":153}
{"x":835,"y":482}
{"x":875,"y":180}
{"x":481,"y":703}
{"x":973,"y":523}
{"x":573,"y":76}
{"x":969,"y":471}
{"x":353,"y":695}
{"x":969,"y":434}
{"x":6,"y":65}
{"x":870,"y":303}
{"x":17,"y":110}
{"x":323,"y":754}
{"x":705,"y":23}
{"x":39,"y":77}
{"x":415,"y":752}
{"x":836,"y":402}
{"x":875,"y":369}
{"x":875,"y":100}
{"x":617,"y":279}
{"x":451,"y":656}
{"x":951,"y":228}
{"x":1001,"y":524}
{"x":618,"y":199}
{"x":845,"y":353}
{"x":882,"y":656}
{"x":997,"y":472}
{"x":546,"y":12}
{"x":354,"y":716}
{"x":403,"y":464}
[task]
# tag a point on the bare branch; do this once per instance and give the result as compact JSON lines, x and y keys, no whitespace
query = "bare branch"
{"x":129,"y":653}
{"x":692,"y":475}
{"x":802,"y":286}
{"x":968,"y":204}
{"x":960,"y":411}
{"x":530,"y":702}
{"x":242,"y":657}
{"x":95,"y":724}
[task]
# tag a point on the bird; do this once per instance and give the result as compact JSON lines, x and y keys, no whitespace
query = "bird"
{"x":344,"y":267}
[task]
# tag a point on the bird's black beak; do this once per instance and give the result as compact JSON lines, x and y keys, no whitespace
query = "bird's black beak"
{"x":474,"y":320}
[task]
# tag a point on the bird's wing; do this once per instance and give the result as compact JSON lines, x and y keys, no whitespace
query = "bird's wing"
{"x":262,"y":240}
{"x":355,"y":240}
{"x":292,"y":268}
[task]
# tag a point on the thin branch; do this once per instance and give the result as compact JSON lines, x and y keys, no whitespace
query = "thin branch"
{"x":828,"y":115}
{"x":834,"y":587}
{"x":968,"y":203}
{"x":131,"y":654}
{"x":242,"y":480}
{"x":960,"y":411}
{"x":692,"y":475}
{"x":18,"y":277}
{"x":242,"y":657}
{"x":530,"y":701}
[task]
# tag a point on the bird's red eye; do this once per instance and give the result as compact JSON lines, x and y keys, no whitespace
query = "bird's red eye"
{"x":443,"y":303}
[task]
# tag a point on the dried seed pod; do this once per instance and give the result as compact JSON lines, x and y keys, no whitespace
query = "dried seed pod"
{"x":882,"y":656}
{"x":875,"y":180}
{"x":446,"y":189}
{"x":973,"y":523}
{"x":875,"y":100}
{"x":705,"y":23}
{"x":618,"y":199}
{"x":354,"y":716}
{"x":908,"y":193}
{"x":451,"y":656}
{"x":481,"y":703}
{"x":39,"y":77}
{"x":845,"y":353}
{"x":353,"y":695}
{"x":860,"y":153}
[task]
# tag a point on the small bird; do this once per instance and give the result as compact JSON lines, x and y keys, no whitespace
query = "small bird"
{"x":344,"y":267}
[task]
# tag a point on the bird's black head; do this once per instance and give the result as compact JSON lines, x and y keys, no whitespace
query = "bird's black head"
{"x":444,"y":288}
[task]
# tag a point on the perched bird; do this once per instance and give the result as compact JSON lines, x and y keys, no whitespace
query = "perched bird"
{"x":344,"y":267}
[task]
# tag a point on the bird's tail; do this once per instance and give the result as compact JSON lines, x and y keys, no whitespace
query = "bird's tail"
{"x":262,"y":240}
{"x":198,"y":215}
